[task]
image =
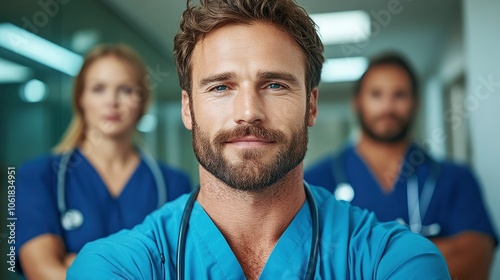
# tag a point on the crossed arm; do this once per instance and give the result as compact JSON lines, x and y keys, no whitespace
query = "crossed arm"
{"x":469,"y":254}
{"x":45,"y":257}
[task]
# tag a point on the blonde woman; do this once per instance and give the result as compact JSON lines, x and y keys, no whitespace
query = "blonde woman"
{"x":97,"y":181}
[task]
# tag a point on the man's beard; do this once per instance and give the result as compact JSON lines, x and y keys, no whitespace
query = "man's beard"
{"x":249,"y":174}
{"x":395,"y":136}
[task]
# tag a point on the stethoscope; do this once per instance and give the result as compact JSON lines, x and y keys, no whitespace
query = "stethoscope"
{"x":181,"y":243}
{"x":73,"y":218}
{"x":417,"y":205}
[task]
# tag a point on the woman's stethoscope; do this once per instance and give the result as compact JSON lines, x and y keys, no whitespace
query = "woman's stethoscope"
{"x":417,"y":206}
{"x":181,"y":243}
{"x":73,"y":218}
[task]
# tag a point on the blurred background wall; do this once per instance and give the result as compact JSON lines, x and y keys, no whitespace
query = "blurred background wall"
{"x":452,"y":44}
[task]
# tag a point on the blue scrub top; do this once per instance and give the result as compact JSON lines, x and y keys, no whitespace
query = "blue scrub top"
{"x":456,"y":204}
{"x":353,"y":245}
{"x":37,"y":211}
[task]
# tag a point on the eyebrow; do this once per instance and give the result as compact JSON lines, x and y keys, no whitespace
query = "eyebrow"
{"x":284,"y":76}
{"x":217,"y":78}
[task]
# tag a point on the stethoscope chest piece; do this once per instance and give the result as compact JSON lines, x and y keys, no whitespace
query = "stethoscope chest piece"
{"x":72,"y":219}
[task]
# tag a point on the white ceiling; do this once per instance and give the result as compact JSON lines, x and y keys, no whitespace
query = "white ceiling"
{"x":422,"y":30}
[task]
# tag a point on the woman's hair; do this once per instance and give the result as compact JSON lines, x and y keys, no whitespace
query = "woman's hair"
{"x":198,"y":21}
{"x":75,"y":133}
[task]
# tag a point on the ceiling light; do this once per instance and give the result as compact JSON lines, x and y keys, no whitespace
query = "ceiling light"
{"x":38,"y":49}
{"x":343,"y":27}
{"x":13,"y":72}
{"x":34,"y":91}
{"x":343,"y":69}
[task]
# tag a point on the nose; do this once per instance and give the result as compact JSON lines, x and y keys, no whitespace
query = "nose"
{"x":248,"y":106}
{"x":112,"y":97}
{"x":388,"y":103}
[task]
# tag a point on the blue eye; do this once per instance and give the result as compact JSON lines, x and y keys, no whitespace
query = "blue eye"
{"x":275,"y":86}
{"x":220,"y":88}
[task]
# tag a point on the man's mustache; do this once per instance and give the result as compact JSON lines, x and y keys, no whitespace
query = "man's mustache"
{"x":391,"y":116}
{"x":258,"y":131}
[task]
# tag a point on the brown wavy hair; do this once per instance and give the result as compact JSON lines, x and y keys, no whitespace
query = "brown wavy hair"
{"x":198,"y":21}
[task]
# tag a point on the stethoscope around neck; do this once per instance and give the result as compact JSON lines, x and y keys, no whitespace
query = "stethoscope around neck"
{"x":417,"y":205}
{"x":181,"y":242}
{"x":72,"y":219}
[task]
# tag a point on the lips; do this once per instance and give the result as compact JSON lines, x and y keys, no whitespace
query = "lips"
{"x":249,"y":139}
{"x":112,"y":118}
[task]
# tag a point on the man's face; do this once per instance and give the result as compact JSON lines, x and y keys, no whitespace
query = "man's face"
{"x":385,"y":104}
{"x":248,"y":105}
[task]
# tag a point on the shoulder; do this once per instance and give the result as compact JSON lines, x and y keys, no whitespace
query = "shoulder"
{"x":454,"y":177}
{"x":375,"y":249}
{"x":402,"y":255}
{"x":40,"y":164}
{"x":38,"y":171}
{"x":168,"y":216}
{"x":140,"y":252}
{"x":127,"y":254}
{"x":456,"y":169}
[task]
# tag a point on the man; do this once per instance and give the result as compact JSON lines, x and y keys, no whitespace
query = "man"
{"x":388,"y":174}
{"x":249,"y":71}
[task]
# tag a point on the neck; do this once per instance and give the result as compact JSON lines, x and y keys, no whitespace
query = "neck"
{"x":378,"y":151}
{"x":383,"y":159}
{"x":252,"y":219}
{"x":109,"y":152}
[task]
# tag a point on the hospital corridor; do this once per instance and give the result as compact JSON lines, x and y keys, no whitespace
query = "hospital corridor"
{"x":249,"y":139}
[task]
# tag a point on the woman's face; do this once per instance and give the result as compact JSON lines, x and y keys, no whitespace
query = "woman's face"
{"x":111,"y":99}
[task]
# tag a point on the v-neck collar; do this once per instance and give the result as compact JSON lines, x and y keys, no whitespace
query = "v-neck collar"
{"x":101,"y":182}
{"x":372,"y":175}
{"x":287,"y":256}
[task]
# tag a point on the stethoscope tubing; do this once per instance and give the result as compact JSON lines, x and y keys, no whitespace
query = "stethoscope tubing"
{"x":69,"y":215}
{"x":417,"y":204}
{"x":186,"y":214}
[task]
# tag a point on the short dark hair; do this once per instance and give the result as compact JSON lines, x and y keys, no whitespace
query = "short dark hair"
{"x":198,"y":21}
{"x":390,"y":58}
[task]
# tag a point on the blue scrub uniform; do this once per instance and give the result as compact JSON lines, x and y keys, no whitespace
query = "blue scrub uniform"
{"x":456,"y":204}
{"x":353,"y":245}
{"x":103,"y":214}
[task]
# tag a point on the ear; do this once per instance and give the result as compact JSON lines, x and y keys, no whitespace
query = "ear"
{"x":186,"y":111}
{"x":313,"y":107}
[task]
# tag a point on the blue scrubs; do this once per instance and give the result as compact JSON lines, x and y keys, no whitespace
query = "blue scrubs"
{"x":456,"y":204}
{"x":37,"y":211}
{"x":353,"y":245}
